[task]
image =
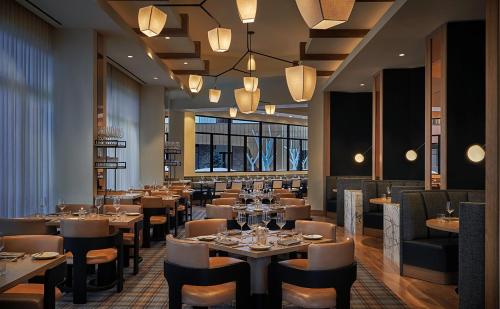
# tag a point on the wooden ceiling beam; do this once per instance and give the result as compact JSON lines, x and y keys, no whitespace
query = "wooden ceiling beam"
{"x":319,"y":57}
{"x":338,"y":33}
{"x":183,"y":31}
{"x":205,"y":71}
{"x":196,"y":54}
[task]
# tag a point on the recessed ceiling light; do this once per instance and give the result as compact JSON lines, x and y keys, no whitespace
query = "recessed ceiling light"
{"x":185,"y":62}
{"x":171,"y":75}
{"x":150,"y":55}
{"x":167,"y":38}
{"x":362,"y":85}
{"x":402,"y":55}
{"x":130,"y":56}
{"x":155,"y":77}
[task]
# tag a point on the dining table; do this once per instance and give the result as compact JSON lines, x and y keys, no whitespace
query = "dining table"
{"x":451,"y":225}
{"x":381,"y":200}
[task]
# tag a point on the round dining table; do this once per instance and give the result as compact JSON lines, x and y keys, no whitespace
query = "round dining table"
{"x":446,"y":225}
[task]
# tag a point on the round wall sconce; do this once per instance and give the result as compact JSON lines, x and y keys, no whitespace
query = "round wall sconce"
{"x":411,"y":155}
{"x":475,"y":153}
{"x":359,"y":158}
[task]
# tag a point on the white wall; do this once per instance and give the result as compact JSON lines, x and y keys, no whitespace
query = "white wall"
{"x":152,"y":111}
{"x":74,"y":97}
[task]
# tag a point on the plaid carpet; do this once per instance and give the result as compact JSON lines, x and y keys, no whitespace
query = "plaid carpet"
{"x":148,"y":289}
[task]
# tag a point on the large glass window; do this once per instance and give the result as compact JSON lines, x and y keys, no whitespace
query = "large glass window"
{"x":241,"y":145}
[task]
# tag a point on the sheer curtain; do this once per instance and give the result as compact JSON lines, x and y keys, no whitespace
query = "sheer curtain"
{"x":122,"y":109}
{"x":26,"y":111}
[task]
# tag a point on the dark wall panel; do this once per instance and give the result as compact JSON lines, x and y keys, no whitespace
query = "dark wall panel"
{"x":404,"y":122}
{"x":351,"y":133}
{"x":465,"y":102}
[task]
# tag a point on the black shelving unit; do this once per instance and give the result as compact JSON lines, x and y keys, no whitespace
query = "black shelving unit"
{"x":102,"y":146}
{"x":170,"y":159}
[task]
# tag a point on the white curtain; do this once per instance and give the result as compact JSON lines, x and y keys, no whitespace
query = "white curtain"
{"x":26,"y":112}
{"x":122,"y":108}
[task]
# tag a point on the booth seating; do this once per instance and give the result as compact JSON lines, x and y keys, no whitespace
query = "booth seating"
{"x":471,"y":255}
{"x":373,"y":215}
{"x":25,"y":226}
{"x":323,"y":280}
{"x":331,"y":196}
{"x":429,"y":254}
{"x":346,"y":183}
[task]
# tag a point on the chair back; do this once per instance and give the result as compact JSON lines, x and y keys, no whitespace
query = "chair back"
{"x":258,"y":185}
{"x":125,"y":208}
{"x":220,"y":186}
{"x":277,"y":184}
{"x":84,"y":228}
{"x":280,"y":190}
{"x":292,"y":201}
{"x":34,"y":243}
{"x":327,"y":230}
{"x":229,"y":194}
{"x":187,"y":253}
{"x":152,"y":202}
{"x":330,"y":255}
{"x":224,"y":201}
{"x":158,"y":193}
{"x":298,"y":212}
{"x":220,"y":212}
{"x":232,"y":191}
{"x":25,"y":226}
{"x":204,"y":227}
{"x":287,"y":195}
{"x":295,"y":183}
{"x":236,"y":185}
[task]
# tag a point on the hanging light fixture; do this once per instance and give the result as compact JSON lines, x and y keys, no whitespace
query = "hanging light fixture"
{"x":411,"y":155}
{"x":247,"y":101}
{"x":359,"y":158}
{"x":247,"y":9}
{"x":301,"y":81}
{"x":324,"y":14}
{"x":475,"y":153}
{"x":214,"y":95}
{"x":195,"y":83}
{"x":151,"y":20}
{"x":233,"y":111}
{"x":219,"y":39}
{"x":250,"y":83}
{"x":270,"y":109}
{"x":251,"y":65}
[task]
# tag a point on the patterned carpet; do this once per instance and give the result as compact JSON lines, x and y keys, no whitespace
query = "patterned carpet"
{"x":148,"y":289}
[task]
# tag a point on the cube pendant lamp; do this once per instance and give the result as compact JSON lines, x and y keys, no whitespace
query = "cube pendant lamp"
{"x":233,"y":111}
{"x":247,"y":101}
{"x":219,"y":39}
{"x":247,"y":9}
{"x":195,"y":83}
{"x":270,"y":109}
{"x":250,"y":83}
{"x":214,"y":95}
{"x":324,"y":14}
{"x":151,"y":20}
{"x":301,"y":81}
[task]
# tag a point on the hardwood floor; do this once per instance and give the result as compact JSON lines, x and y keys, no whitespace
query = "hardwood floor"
{"x":415,"y":293}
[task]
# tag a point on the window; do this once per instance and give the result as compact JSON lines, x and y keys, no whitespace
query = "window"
{"x":224,"y":145}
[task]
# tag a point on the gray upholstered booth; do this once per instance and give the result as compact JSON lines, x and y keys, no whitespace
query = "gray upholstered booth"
{"x":425,"y":253}
{"x":331,"y":196}
{"x":471,"y":256}
{"x":346,"y":183}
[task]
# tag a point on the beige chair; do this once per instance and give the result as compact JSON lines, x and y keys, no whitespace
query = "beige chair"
{"x":236,"y":185}
{"x":219,"y":187}
{"x":229,"y":194}
{"x":280,"y":190}
{"x":224,"y":201}
{"x":30,"y":295}
{"x":325,"y":229}
{"x":204,"y":227}
{"x":292,"y":201}
{"x":25,"y":226}
{"x":154,"y":201}
{"x":232,"y":190}
{"x":294,"y":212}
{"x":220,"y":212}
{"x":155,"y":215}
{"x":295,"y":184}
{"x":286,"y":195}
{"x":334,"y":270}
{"x":258,"y":185}
{"x":224,"y":280}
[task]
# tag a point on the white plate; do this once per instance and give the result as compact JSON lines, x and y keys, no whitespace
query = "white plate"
{"x":133,"y":213}
{"x":45,"y":255}
{"x":257,"y":247}
{"x":207,"y":238}
{"x":312,"y":236}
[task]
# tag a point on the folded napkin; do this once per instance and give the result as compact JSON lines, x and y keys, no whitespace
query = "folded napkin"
{"x":288,"y":242}
{"x":227,"y":242}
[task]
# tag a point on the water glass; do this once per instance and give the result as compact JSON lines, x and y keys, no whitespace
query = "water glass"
{"x":280,"y":220}
{"x":241,"y":219}
{"x":116,"y":204}
{"x":441,"y":217}
{"x":266,"y":218}
{"x":449,"y":210}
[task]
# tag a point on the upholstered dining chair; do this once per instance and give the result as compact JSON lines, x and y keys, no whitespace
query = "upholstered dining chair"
{"x":156,"y":214}
{"x":325,"y":229}
{"x":232,"y":190}
{"x":323,"y":280}
{"x":25,"y":226}
{"x":224,"y":201}
{"x":219,"y":212}
{"x":35,"y":295}
{"x":286,"y":195}
{"x":89,"y":242}
{"x":258,"y":185}
{"x":236,"y":185}
{"x":204,"y":227}
{"x":277,"y":185}
{"x":198,"y":280}
{"x":229,"y":194}
{"x":292,"y":201}
{"x":296,"y":212}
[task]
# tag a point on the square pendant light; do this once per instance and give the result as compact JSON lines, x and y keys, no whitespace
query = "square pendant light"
{"x":247,"y":9}
{"x":301,"y":81}
{"x":219,"y":39}
{"x":324,"y":14}
{"x":214,"y":95}
{"x":233,"y":111}
{"x":151,"y":20}
{"x":247,"y":101}
{"x":195,"y":83}
{"x":250,"y":83}
{"x":270,"y":109}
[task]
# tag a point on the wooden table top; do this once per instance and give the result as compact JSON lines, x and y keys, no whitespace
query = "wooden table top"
{"x":244,"y":250}
{"x":381,"y":200}
{"x":451,"y":226}
{"x":122,"y":222}
{"x":26,"y":268}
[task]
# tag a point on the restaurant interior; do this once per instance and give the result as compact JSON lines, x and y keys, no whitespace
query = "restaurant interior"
{"x":249,"y":154}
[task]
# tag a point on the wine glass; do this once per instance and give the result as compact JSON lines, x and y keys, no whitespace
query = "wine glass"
{"x":241,"y":219}
{"x":449,"y":210}
{"x":99,"y":200}
{"x":280,"y":221}
{"x":61,"y":206}
{"x":253,"y":222}
{"x":388,"y":191}
{"x":266,"y":218}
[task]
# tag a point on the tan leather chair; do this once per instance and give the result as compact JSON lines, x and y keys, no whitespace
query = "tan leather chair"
{"x":30,"y":295}
{"x":224,"y":201}
{"x":154,"y":201}
{"x":292,"y":201}
{"x":286,"y":195}
{"x":295,"y":212}
{"x":155,"y":215}
{"x":334,"y":273}
{"x":204,"y":227}
{"x":280,"y":190}
{"x":236,"y":185}
{"x":229,"y":194}
{"x":25,"y":226}
{"x":225,"y":279}
{"x":325,"y":229}
{"x":220,"y":212}
{"x":232,"y":190}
